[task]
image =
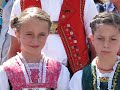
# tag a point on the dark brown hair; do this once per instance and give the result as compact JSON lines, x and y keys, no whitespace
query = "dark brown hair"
{"x":107,"y":18}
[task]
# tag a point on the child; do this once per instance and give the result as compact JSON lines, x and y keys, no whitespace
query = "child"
{"x":30,"y":69}
{"x":104,"y":71}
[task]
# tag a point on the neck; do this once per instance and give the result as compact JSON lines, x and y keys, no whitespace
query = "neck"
{"x":32,"y":58}
{"x":105,"y":65}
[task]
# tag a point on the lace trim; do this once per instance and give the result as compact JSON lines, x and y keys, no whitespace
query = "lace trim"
{"x":27,"y":67}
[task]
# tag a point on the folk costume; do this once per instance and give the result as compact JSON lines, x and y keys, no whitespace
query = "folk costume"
{"x":67,"y":41}
{"x":90,"y":78}
{"x":46,"y":75}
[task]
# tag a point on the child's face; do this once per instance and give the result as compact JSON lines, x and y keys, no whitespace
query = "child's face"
{"x":32,"y":36}
{"x":107,"y":41}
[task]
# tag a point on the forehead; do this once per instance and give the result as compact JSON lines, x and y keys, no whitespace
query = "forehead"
{"x":29,"y":19}
{"x":107,"y":30}
{"x":34,"y":24}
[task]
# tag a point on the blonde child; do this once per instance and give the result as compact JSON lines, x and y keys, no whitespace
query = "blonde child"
{"x":30,"y":69}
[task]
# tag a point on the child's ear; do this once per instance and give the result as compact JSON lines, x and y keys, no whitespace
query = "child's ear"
{"x":17,"y":34}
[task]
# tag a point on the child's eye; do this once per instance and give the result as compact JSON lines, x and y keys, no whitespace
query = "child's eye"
{"x":99,"y":38}
{"x":28,"y":34}
{"x":113,"y":39}
{"x":42,"y":34}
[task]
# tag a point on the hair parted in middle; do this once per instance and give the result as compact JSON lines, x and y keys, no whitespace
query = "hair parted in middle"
{"x":32,"y":12}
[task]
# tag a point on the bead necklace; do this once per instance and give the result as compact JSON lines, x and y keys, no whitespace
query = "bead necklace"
{"x":111,"y":69}
{"x":112,"y":77}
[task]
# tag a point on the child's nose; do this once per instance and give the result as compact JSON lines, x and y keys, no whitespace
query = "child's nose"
{"x":35,"y":40}
{"x":106,"y":44}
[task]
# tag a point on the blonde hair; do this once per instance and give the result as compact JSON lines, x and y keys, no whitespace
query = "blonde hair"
{"x":32,"y":12}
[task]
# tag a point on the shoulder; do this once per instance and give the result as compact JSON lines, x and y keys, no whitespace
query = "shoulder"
{"x":53,"y":63}
{"x":76,"y":81}
{"x":56,"y":65}
{"x":77,"y":76}
{"x":64,"y":70}
{"x":10,"y":63}
{"x":64,"y":78}
{"x":59,"y":66}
